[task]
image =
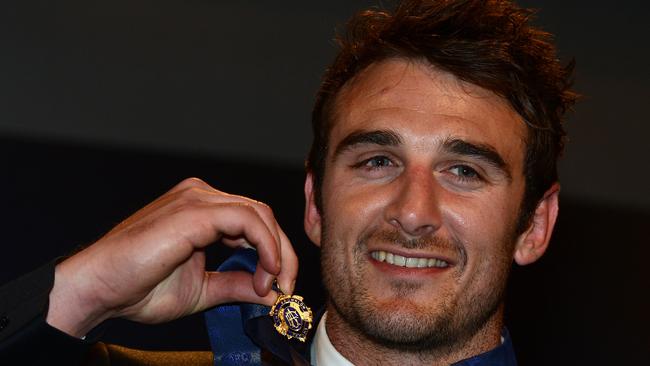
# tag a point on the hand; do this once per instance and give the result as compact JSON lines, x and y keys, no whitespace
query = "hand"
{"x":151,"y":267}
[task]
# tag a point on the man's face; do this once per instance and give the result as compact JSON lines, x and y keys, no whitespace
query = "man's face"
{"x":421,"y":194}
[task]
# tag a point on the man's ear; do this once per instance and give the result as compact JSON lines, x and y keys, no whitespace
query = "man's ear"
{"x":532,"y":244}
{"x":312,"y":215}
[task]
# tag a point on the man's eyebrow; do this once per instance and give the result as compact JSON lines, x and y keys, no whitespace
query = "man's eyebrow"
{"x":376,"y":137}
{"x":483,"y":152}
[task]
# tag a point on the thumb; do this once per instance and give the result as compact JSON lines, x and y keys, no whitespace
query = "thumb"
{"x":232,"y":286}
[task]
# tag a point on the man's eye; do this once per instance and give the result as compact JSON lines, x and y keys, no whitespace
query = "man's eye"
{"x":464,"y":172}
{"x":377,"y":162}
{"x":374,"y":163}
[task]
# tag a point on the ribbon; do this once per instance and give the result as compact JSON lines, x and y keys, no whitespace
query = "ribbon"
{"x":225,"y":323}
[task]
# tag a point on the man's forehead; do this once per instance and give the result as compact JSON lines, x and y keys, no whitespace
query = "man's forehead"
{"x":398,"y":92}
{"x":403,"y":75}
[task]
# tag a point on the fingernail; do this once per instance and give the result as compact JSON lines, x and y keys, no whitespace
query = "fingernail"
{"x":289,"y":289}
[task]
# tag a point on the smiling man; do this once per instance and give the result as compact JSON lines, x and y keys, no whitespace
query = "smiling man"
{"x":433,"y":168}
{"x":420,"y":204}
{"x":437,"y":132}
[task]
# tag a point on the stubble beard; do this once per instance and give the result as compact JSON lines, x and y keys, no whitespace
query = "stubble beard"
{"x":407,"y":326}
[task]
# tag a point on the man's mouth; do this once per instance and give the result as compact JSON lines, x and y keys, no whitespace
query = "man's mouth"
{"x":408,"y":262}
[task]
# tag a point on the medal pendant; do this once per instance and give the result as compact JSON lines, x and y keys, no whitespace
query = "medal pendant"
{"x":291,"y":317}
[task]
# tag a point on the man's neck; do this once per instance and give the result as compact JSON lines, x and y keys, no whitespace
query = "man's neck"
{"x":360,"y":350}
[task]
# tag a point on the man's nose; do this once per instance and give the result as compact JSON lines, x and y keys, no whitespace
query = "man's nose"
{"x":415,"y":207}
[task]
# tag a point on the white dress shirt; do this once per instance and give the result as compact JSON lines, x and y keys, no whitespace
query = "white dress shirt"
{"x":323,"y":352}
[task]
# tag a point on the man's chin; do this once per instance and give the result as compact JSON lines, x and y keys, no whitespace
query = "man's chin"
{"x":396,"y":310}
{"x":407,"y":330}
{"x":401,"y":324}
{"x":404,"y":324}
{"x":404,"y":308}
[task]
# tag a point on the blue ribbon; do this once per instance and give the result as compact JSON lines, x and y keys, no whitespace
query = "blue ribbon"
{"x":225,"y":323}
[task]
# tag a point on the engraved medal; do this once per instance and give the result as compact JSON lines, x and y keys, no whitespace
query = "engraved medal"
{"x":291,"y":317}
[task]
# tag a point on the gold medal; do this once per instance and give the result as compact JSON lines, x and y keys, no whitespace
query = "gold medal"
{"x":291,"y":317}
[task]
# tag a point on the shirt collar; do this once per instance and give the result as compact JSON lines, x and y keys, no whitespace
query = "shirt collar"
{"x":323,"y":352}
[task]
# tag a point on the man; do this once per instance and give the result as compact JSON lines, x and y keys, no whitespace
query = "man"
{"x":436,"y":135}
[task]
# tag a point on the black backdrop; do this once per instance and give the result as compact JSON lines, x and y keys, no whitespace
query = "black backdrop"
{"x":584,"y":303}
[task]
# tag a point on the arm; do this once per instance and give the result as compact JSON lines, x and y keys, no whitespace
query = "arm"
{"x":150,"y":268}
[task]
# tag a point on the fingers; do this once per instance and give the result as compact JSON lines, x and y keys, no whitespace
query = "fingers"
{"x":287,"y":257}
{"x":289,"y":271}
{"x":236,"y":221}
{"x":266,"y":214}
{"x":262,"y":280}
{"x":194,"y":189}
{"x":235,"y":286}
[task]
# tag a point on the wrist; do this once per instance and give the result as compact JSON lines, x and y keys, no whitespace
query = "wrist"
{"x":72,"y":309}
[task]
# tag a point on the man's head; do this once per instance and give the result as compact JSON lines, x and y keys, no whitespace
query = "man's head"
{"x":486,"y":43}
{"x":436,"y":135}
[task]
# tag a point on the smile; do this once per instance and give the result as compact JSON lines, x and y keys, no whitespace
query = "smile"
{"x":408,"y":262}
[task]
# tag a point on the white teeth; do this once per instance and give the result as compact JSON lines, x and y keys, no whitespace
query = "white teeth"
{"x":408,"y":262}
{"x":381,"y":257}
{"x":412,"y":262}
{"x":398,"y":260}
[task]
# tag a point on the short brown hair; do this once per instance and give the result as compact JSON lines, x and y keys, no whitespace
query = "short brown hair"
{"x":489,"y":43}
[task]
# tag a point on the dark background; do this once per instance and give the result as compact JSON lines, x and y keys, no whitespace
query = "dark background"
{"x":106,"y":105}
